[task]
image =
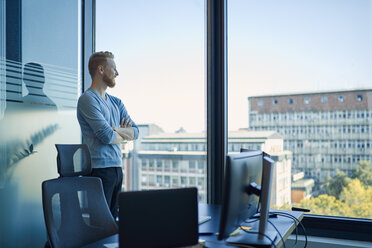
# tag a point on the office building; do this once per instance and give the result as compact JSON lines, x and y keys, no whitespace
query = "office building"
{"x":130,"y":169}
{"x":302,"y":188}
{"x":167,"y":160}
{"x":325,"y":131}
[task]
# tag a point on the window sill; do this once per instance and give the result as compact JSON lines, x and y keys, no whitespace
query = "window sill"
{"x":338,"y":227}
{"x":321,"y":242}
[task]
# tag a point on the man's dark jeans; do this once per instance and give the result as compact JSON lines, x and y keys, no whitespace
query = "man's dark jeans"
{"x":112,"y":179}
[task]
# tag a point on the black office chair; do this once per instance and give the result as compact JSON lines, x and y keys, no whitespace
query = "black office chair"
{"x":75,"y":208}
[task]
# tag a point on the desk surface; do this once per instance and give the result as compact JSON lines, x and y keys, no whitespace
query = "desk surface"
{"x":209,"y":229}
{"x":284,"y":225}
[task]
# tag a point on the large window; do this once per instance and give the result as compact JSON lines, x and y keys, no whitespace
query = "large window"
{"x":159,"y":53}
{"x":299,"y":74}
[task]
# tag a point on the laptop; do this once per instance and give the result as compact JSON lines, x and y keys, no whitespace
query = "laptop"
{"x":158,"y":218}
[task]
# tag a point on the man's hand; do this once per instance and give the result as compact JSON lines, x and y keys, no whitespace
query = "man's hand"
{"x":125,"y":123}
{"x":125,"y":130}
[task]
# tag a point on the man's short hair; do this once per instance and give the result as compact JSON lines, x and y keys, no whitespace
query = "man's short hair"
{"x":96,"y":59}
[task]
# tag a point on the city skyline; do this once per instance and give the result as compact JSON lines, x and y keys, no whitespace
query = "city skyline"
{"x":274,"y":47}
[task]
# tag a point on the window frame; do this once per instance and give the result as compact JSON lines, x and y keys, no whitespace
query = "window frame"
{"x":316,"y":225}
{"x":338,"y":227}
{"x":216,"y":64}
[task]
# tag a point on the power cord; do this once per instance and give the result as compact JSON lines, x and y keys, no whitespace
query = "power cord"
{"x":272,"y":241}
{"x":279,"y":214}
{"x":257,"y":219}
{"x":281,"y":237}
{"x":251,"y":220}
{"x":302,"y":226}
{"x":295,"y":244}
{"x":296,"y":220}
{"x":270,"y":215}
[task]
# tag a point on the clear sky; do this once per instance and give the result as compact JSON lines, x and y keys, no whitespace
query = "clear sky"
{"x":274,"y":46}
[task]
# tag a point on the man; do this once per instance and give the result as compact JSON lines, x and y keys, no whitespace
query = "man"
{"x":105,"y":123}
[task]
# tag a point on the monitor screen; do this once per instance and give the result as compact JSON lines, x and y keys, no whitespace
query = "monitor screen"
{"x":237,"y":206}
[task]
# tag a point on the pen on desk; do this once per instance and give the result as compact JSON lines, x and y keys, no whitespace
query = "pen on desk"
{"x":301,"y":209}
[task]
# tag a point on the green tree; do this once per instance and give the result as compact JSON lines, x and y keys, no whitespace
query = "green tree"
{"x":355,"y":200}
{"x":363,"y":172}
{"x":344,"y":196}
{"x":335,"y":185}
{"x":285,"y":206}
{"x":325,"y":205}
{"x":358,"y":199}
{"x":362,"y":211}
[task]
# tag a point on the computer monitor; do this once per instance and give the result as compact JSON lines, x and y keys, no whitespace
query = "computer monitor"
{"x":247,"y":183}
{"x":242,"y":149}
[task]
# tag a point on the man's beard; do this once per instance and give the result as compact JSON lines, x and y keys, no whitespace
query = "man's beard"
{"x":110,"y":82}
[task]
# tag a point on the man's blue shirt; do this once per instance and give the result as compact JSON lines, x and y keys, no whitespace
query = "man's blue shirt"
{"x":96,"y":117}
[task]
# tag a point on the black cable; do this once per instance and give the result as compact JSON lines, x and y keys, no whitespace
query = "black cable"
{"x":302,"y":226}
{"x":278,"y":233}
{"x":295,"y":221}
{"x":251,"y":220}
{"x":295,"y":244}
{"x":254,"y":220}
{"x":272,"y":241}
{"x":294,"y":218}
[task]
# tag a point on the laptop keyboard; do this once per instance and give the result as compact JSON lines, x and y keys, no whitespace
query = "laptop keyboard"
{"x":203,"y":218}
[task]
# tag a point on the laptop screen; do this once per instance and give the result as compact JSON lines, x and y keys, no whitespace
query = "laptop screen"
{"x":158,"y":218}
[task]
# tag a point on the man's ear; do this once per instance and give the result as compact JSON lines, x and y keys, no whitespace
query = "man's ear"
{"x":100,"y":69}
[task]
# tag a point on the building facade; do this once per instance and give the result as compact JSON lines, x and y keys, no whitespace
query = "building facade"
{"x":325,"y":131}
{"x":171,"y":160}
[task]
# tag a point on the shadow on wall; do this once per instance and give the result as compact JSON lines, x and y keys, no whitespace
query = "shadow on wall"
{"x":14,"y":106}
{"x":13,"y":82}
{"x":34,"y":80}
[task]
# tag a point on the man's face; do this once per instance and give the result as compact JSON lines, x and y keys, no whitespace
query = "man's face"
{"x":110,"y":73}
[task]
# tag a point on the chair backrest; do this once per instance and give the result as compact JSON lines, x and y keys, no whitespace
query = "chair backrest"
{"x":75,"y":209}
{"x":73,"y":160}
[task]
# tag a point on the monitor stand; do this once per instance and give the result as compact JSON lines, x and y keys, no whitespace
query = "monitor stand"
{"x":255,"y":239}
{"x":252,"y":239}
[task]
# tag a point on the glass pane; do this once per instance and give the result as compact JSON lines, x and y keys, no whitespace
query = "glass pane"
{"x":299,"y":78}
{"x":40,"y":85}
{"x":159,"y":53}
